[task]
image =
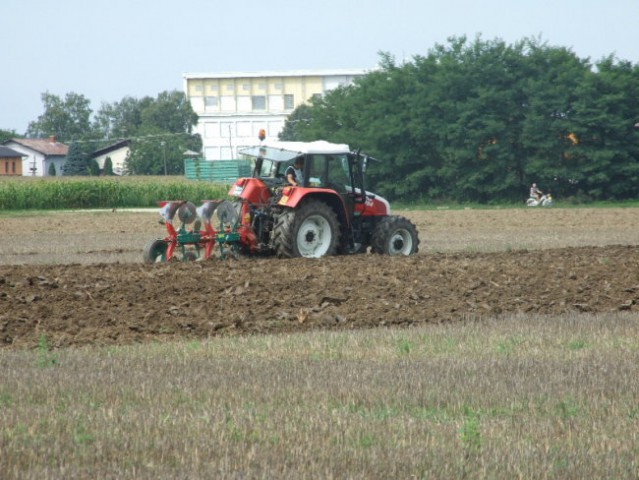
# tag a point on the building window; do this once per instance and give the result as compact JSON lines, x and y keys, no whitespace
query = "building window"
{"x":262,"y":86}
{"x":230,"y":87}
{"x":243,"y":103}
{"x":226,"y":153}
{"x":244,"y":129}
{"x":6,"y":167}
{"x":198,"y":87}
{"x":258,"y":102}
{"x":278,"y":86}
{"x":246,"y":87}
{"x":275,"y":103}
{"x":212,"y":130}
{"x":211,"y":102}
{"x":13,"y":167}
{"x":227,"y":102}
{"x":289,"y":101}
{"x":213,"y":87}
{"x":227,"y":130}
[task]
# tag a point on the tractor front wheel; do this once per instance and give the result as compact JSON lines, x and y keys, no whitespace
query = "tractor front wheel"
{"x":395,"y":235}
{"x":155,"y":251}
{"x":311,"y":231}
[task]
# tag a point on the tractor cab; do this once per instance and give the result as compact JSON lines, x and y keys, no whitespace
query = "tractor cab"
{"x":327,"y":166}
{"x":325,"y":163}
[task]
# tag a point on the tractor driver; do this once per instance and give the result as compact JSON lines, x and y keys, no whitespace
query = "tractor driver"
{"x":295,"y":173}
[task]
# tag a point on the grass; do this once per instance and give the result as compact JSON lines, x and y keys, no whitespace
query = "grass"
{"x":511,"y":397}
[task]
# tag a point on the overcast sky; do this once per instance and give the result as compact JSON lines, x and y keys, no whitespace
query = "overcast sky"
{"x":110,"y":49}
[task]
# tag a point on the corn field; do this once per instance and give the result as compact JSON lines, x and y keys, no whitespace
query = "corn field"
{"x":26,"y":193}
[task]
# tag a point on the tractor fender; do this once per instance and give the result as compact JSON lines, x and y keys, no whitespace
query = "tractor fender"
{"x":293,"y":197}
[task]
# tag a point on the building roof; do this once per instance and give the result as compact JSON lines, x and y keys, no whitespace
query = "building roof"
{"x":6,"y":152}
{"x":46,"y":146}
{"x":111,"y":148}
{"x":283,"y":73}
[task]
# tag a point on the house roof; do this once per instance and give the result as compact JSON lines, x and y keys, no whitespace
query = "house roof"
{"x":46,"y":146}
{"x":111,"y":148}
{"x":6,"y":152}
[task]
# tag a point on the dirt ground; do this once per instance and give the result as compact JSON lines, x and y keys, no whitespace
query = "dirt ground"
{"x":78,"y":277}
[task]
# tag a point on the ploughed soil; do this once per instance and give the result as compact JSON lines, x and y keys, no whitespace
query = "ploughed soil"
{"x":78,"y":278}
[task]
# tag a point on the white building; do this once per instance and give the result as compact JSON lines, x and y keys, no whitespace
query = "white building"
{"x":119,"y":154}
{"x":234,"y":107}
{"x":39,"y":154}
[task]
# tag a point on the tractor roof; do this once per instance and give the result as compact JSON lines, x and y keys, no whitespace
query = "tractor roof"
{"x":286,"y":151}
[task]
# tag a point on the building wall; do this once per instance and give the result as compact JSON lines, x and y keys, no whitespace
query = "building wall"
{"x":118,"y":159}
{"x":58,"y":162}
{"x":32,"y":163}
{"x":234,"y":107}
{"x":11,"y":166}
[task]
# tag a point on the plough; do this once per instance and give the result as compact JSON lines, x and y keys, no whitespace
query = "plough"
{"x":199,"y":242}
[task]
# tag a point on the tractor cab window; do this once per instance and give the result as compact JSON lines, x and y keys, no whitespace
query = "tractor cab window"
{"x":268,"y":168}
{"x":330,"y":171}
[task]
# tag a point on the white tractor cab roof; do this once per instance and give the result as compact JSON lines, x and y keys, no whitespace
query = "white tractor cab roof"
{"x":287,"y":151}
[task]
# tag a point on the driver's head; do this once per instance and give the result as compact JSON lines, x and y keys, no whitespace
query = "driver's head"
{"x":299,"y":162}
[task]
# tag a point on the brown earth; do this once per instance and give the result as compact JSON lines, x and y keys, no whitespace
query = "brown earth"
{"x":77,"y":278}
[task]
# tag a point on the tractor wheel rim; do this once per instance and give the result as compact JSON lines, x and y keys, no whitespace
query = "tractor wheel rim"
{"x":401,"y":243}
{"x":314,"y":237}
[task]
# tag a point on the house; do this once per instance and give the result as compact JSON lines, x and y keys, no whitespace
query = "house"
{"x":10,"y":162}
{"x":38,"y":154}
{"x":234,"y":107}
{"x":118,"y":153}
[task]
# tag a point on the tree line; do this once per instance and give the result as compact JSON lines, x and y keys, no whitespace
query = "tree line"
{"x":479,"y":121}
{"x":160,"y":130}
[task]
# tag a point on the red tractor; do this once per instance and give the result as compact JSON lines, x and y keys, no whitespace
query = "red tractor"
{"x":325,"y":211}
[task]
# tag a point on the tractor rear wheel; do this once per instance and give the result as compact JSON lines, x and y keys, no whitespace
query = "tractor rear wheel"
{"x":310,"y":231}
{"x":395,"y":235}
{"x":155,"y":251}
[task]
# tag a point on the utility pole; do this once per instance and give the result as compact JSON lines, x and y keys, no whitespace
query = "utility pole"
{"x":163,"y":144}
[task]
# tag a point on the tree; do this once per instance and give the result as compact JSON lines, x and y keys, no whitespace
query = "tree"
{"x":481,"y":120}
{"x":292,"y":131}
{"x":153,"y":149}
{"x":606,"y":157}
{"x":93,"y":167}
{"x":170,"y":112}
{"x":108,"y":166}
{"x":8,"y":135}
{"x":160,"y":130}
{"x":67,"y":119}
{"x":76,"y":163}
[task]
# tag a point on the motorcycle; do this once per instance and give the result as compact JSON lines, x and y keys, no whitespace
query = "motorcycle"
{"x":543,"y":201}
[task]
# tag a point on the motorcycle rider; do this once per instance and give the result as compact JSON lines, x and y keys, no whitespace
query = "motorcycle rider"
{"x":535,"y":192}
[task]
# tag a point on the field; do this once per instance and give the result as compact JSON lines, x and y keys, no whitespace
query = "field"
{"x":508,"y":347}
{"x":471,"y":263}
